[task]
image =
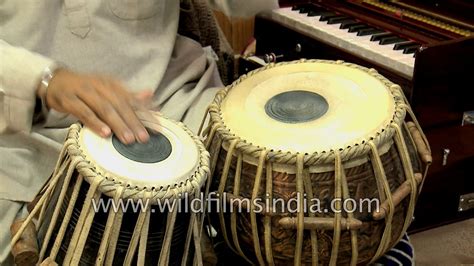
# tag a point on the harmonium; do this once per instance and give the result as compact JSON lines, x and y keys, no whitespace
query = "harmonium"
{"x":425,"y":46}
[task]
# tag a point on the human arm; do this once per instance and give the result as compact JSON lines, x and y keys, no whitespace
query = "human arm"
{"x":100,"y":102}
{"x":20,"y":72}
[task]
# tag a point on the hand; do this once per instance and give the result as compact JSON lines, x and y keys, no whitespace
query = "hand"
{"x":101,"y":103}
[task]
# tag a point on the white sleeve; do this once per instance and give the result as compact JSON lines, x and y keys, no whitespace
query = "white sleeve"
{"x":243,"y":8}
{"x":20,"y":74}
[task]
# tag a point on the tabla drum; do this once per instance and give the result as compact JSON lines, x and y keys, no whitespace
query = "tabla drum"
{"x":110,"y":203}
{"x":315,"y":162}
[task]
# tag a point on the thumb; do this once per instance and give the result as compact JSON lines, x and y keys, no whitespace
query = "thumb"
{"x":143,"y":98}
{"x":144,"y":95}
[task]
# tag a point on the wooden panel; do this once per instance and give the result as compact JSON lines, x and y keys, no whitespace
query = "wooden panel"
{"x":239,"y":31}
{"x":439,"y":199}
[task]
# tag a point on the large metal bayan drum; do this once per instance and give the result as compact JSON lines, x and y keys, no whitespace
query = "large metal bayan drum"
{"x":304,"y":152}
{"x":110,"y":203}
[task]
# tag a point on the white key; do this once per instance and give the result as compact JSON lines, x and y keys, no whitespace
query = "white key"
{"x":345,"y":40}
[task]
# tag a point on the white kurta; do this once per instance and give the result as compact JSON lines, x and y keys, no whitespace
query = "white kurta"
{"x":135,"y":41}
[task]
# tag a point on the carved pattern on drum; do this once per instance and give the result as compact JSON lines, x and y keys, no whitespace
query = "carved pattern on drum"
{"x":373,"y":237}
{"x":361,"y":185}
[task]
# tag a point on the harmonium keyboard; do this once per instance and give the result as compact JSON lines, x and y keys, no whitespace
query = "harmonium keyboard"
{"x":427,"y":47}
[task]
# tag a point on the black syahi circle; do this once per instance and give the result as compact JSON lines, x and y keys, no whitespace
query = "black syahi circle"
{"x":157,"y":149}
{"x":296,"y":106}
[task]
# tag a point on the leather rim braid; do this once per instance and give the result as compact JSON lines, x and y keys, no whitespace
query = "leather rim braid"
{"x":391,"y":132}
{"x":109,"y":183}
{"x":356,"y":149}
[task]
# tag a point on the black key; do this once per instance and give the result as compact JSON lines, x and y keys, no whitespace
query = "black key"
{"x":347,"y":24}
{"x":370,"y":31}
{"x":392,"y":40}
{"x":411,"y":49}
{"x":336,"y":20}
{"x":306,"y":9}
{"x":299,"y":7}
{"x":403,"y":45}
{"x":316,"y":12}
{"x":327,"y":15}
{"x":356,"y":28}
{"x":378,"y":37}
{"x":347,"y":21}
{"x":361,"y":29}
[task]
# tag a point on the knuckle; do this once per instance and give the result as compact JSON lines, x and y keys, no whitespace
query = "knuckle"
{"x":87,"y":87}
{"x":123,"y":105}
{"x":81,"y":115}
{"x":89,"y":118}
{"x":129,"y":115}
{"x":67,"y":101}
{"x":88,"y":113}
{"x":107,"y":110}
{"x":105,"y":81}
{"x":70,"y":98}
{"x":134,"y":124}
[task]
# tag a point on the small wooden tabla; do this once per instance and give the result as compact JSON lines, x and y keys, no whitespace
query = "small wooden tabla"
{"x":311,"y":132}
{"x":169,"y":169}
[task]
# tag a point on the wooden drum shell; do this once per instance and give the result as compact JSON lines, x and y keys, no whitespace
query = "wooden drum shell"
{"x":362,"y":184}
{"x":389,"y":165}
{"x":90,"y":214}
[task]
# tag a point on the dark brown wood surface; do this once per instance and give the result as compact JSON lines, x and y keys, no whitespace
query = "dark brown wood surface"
{"x":362,"y":184}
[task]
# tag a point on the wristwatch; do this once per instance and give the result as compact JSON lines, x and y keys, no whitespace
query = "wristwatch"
{"x":47,"y":76}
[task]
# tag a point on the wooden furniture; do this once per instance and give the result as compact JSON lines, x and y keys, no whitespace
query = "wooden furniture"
{"x":238,"y":31}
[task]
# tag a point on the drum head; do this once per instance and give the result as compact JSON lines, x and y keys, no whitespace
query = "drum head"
{"x":170,"y":156}
{"x":308,"y":107}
